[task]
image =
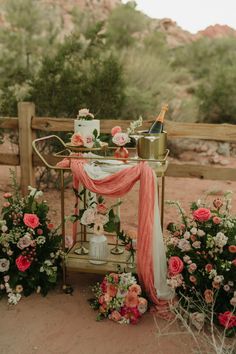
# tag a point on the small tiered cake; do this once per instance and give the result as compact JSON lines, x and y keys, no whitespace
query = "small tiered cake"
{"x":85,"y":124}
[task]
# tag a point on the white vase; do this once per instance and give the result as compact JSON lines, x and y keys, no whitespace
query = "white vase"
{"x":98,"y":249}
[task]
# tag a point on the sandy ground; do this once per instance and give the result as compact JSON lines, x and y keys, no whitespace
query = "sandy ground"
{"x":64,"y":324}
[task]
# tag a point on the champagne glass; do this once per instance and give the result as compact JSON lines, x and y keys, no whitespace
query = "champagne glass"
{"x":152,"y":138}
{"x":136,"y":137}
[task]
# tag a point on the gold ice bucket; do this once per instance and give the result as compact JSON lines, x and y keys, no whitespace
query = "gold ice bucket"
{"x":157,"y":148}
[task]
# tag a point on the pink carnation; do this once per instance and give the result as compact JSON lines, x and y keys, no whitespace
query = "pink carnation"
{"x":202,"y":214}
{"x":115,"y":130}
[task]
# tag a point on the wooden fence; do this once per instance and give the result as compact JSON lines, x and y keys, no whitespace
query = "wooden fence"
{"x":27,"y":123}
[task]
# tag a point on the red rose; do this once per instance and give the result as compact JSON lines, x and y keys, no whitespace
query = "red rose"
{"x":31,"y":220}
{"x":22,"y":263}
{"x":202,"y":214}
{"x":175,"y":265}
{"x":227,"y":319}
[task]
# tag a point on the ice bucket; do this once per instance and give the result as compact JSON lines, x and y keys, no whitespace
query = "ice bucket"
{"x":145,"y":147}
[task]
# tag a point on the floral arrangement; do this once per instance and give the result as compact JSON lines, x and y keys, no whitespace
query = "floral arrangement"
{"x":30,"y":250}
{"x":119,"y":298}
{"x":97,"y":215}
{"x":201,"y":254}
{"x":85,"y":114}
{"x":120,"y":138}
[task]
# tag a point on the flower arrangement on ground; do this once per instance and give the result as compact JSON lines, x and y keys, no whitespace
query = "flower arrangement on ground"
{"x":30,"y":252}
{"x":119,"y":298}
{"x":202,"y":259}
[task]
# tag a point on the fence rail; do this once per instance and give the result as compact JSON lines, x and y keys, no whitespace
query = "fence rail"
{"x":27,"y":123}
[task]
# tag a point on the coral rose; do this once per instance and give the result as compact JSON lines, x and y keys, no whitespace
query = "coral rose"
{"x":208,"y":295}
{"x":111,"y":290}
{"x":202,"y":214}
{"x":31,"y":220}
{"x":115,"y":316}
{"x":135,"y":288}
{"x":131,"y":299}
{"x":115,"y":130}
{"x":227,"y":319}
{"x":77,"y":139}
{"x":175,"y":265}
{"x":232,"y":249}
{"x":22,"y":263}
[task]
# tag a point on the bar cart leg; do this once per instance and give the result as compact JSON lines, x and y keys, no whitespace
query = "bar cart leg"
{"x":162,"y":199}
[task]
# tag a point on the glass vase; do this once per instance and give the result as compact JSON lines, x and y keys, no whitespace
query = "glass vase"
{"x":98,"y":249}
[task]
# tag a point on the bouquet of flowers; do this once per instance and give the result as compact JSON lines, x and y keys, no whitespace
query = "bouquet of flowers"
{"x":119,"y":298}
{"x":30,"y":248}
{"x":201,"y":254}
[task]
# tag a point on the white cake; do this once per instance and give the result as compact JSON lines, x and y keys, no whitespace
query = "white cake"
{"x":86,"y":127}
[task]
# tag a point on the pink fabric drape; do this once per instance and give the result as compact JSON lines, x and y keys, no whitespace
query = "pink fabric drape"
{"x":117,"y":185}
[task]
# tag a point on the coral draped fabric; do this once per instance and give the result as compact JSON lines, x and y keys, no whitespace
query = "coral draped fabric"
{"x":117,"y":185}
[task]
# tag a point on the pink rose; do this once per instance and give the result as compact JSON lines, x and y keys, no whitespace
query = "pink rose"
{"x":115,"y":130}
{"x":7,"y":195}
{"x":101,"y":208}
{"x":216,"y":220}
{"x":193,"y":279}
{"x":227,"y":319}
{"x":88,"y":140}
{"x":175,"y":265}
{"x":31,"y":220}
{"x":22,"y":263}
{"x":77,"y":139}
{"x":192,"y":267}
{"x":208,"y":295}
{"x":120,"y":139}
{"x":208,"y":267}
{"x":39,"y":231}
{"x":232,"y":249}
{"x":202,"y":214}
{"x":6,"y":204}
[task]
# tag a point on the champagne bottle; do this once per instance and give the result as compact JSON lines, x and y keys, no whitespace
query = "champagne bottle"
{"x":157,"y":126}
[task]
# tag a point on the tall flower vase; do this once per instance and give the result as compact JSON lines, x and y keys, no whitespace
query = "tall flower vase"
{"x":98,"y":249}
{"x":121,"y":152}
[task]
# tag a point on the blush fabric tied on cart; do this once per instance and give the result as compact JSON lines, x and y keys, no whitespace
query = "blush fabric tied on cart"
{"x":115,"y":181}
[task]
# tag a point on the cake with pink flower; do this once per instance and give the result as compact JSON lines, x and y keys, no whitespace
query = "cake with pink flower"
{"x":86,"y":130}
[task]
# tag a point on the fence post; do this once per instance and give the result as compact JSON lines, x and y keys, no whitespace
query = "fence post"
{"x":26,"y":110}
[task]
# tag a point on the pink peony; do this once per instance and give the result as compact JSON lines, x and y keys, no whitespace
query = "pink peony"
{"x":227,"y":319}
{"x":216,"y":220}
{"x":101,"y":208}
{"x":22,"y":263}
{"x":115,"y":316}
{"x":131,"y":299}
{"x":202,"y":214}
{"x":115,"y":130}
{"x":31,"y":220}
{"x":175,"y":265}
{"x":77,"y":139}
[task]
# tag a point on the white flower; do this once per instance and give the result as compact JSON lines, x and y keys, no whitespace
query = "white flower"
{"x":226,"y":287}
{"x":4,"y":264}
{"x":231,"y":283}
{"x":197,"y":319}
{"x":175,"y":281}
{"x":218,"y":278}
{"x":173,"y":241}
{"x":212,"y":274}
{"x":41,"y":240}
{"x":186,"y":235}
{"x":197,"y":244}
{"x":4,"y":228}
{"x":88,"y":216}
{"x":13,"y":299}
{"x":52,"y":255}
{"x":193,"y":230}
{"x":24,"y":241}
{"x":186,"y":258}
{"x":83,"y":113}
{"x":48,"y":262}
{"x":34,"y":192}
{"x":220,"y":240}
{"x":201,"y":233}
{"x":184,"y":245}
{"x":120,"y":139}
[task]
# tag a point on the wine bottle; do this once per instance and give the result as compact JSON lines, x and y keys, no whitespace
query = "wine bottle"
{"x":157,"y":126}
